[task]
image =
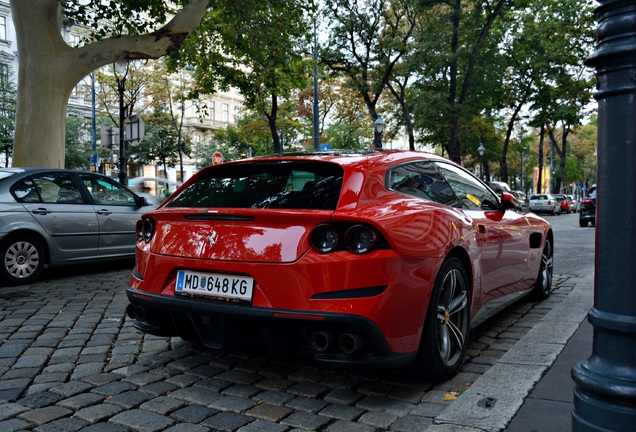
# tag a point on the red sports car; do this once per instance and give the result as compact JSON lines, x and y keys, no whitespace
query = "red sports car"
{"x":368,"y":258}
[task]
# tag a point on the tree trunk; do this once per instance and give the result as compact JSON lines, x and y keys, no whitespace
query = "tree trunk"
{"x":540,"y":176}
{"x":49,"y":69}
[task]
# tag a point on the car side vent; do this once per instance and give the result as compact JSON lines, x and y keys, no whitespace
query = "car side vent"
{"x":535,"y":240}
{"x":220,"y":217}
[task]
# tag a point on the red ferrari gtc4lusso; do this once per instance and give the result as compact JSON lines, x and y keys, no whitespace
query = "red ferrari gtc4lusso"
{"x":367,"y":258}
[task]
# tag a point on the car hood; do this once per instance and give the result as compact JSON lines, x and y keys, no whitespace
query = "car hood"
{"x":242,"y":235}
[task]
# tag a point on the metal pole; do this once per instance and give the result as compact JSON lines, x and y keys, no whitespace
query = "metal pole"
{"x":121,"y":83}
{"x":94,"y":158}
{"x":605,"y":394}
{"x":316,"y":109}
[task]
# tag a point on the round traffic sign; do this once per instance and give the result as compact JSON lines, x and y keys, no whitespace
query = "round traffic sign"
{"x":217,"y":158}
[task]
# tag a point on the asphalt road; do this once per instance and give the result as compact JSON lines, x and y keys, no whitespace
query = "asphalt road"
{"x":70,"y":360}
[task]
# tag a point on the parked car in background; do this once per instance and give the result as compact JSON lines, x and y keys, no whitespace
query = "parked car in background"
{"x":564,"y":202}
{"x":587,"y":214}
{"x":522,"y":200}
{"x":364,"y":258}
{"x":53,"y":217}
{"x":499,"y":187}
{"x":575,"y":204}
{"x":545,"y":203}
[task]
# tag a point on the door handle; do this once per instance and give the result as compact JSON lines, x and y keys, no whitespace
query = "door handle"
{"x":41,"y":211}
{"x":483,"y":229}
{"x":103,"y":212}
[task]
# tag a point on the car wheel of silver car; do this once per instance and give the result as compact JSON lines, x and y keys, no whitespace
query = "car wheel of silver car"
{"x":543,"y":285}
{"x":22,"y":259}
{"x":445,"y":333}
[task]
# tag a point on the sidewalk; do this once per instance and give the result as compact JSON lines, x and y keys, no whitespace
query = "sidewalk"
{"x":530,"y":388}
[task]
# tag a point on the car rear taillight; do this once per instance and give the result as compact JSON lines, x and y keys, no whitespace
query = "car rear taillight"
{"x":324,"y":238}
{"x":145,"y":228}
{"x":586,"y":201}
{"x":360,"y":239}
{"x":357,"y":239}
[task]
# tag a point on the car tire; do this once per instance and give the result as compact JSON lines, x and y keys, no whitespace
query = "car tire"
{"x":543,"y":284}
{"x":583,"y":223}
{"x":445,"y":334}
{"x":22,"y":259}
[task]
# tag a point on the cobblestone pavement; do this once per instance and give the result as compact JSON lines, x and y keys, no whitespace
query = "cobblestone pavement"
{"x":70,"y":360}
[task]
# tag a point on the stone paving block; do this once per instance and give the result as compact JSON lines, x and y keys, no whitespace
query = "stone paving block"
{"x":142,"y":421}
{"x":262,"y":426}
{"x":274,"y":384}
{"x":101,"y":378}
{"x":129,"y":399}
{"x":342,"y":412}
{"x":379,"y":420}
{"x":227,"y":421}
{"x":343,"y":397}
{"x":10,"y":395}
{"x":213,"y":384}
{"x":14,"y":425}
{"x":375,"y":403}
{"x":8,"y":410}
{"x":162,"y":405}
{"x":411,"y":423}
{"x":130,"y":370}
{"x":232,"y":403}
{"x":105,"y":427}
{"x":241,"y":390}
{"x":306,"y":404}
{"x":143,"y":378}
{"x":68,"y":424}
{"x":158,"y":388}
{"x":193,"y":413}
{"x":97,"y":413}
{"x":195,"y":395}
{"x":45,"y":415}
{"x":342,"y":426}
{"x":238,"y":377}
{"x":306,"y":420}
{"x":308,"y":390}
{"x":58,"y":377}
{"x":39,"y":400}
{"x":81,"y":401}
{"x":183,"y":380}
{"x":71,"y":388}
{"x":268,"y":412}
{"x":274,"y":397}
{"x":114,"y":388}
{"x":29,"y":373}
{"x":187,"y":427}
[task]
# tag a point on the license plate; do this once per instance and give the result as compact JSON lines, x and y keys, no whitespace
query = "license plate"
{"x":228,"y":287}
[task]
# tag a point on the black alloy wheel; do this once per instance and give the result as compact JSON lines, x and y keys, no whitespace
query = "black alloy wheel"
{"x":445,"y":333}
{"x":543,"y":285}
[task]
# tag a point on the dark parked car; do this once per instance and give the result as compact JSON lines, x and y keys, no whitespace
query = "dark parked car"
{"x":53,"y":217}
{"x":367,"y":258}
{"x":587,"y":213}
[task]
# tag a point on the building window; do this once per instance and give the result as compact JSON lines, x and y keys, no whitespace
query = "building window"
{"x":226,"y":113}
{"x":3,"y":28}
{"x":212,"y":114}
{"x":4,"y":72}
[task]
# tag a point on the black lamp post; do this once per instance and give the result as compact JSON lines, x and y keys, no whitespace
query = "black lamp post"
{"x":481,"y":149}
{"x":121,"y":71}
{"x":379,"y":125}
{"x":605,"y":394}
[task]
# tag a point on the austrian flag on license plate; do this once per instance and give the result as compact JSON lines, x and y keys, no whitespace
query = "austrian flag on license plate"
{"x":229,"y":287}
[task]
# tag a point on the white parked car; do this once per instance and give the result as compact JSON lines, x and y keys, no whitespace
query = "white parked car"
{"x":545,"y":203}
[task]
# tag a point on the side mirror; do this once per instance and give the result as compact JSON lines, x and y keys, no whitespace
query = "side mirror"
{"x":508,"y":201}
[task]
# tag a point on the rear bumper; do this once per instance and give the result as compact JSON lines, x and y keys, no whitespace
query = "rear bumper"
{"x":329,"y":338}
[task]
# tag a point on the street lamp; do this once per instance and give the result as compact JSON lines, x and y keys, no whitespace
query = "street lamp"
{"x":481,"y":149}
{"x":379,"y":125}
{"x":121,"y":71}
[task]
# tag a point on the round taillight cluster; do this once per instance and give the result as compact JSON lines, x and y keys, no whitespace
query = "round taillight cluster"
{"x":145,"y":229}
{"x":357,"y":239}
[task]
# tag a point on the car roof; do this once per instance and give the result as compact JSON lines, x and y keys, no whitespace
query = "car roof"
{"x":362,"y":157}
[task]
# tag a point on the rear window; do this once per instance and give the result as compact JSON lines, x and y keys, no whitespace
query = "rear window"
{"x":539,"y":197}
{"x":279,"y":185}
